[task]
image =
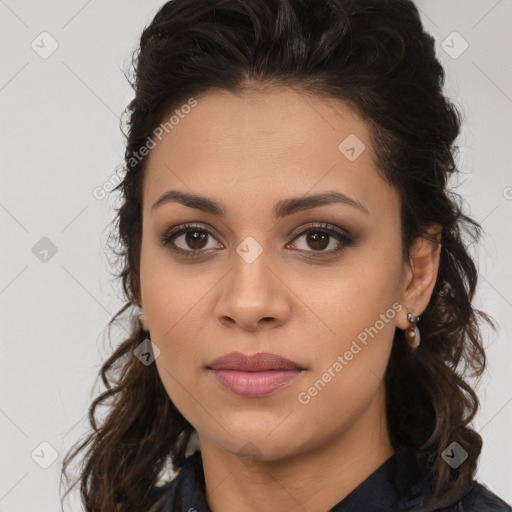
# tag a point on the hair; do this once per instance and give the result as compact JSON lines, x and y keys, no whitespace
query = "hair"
{"x":375,"y":56}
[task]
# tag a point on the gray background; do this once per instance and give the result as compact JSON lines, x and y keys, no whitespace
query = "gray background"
{"x":60,"y":139}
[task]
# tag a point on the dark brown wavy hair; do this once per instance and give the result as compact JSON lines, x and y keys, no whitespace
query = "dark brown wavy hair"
{"x":374,"y":55}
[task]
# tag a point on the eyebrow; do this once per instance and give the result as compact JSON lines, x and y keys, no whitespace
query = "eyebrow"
{"x":281,"y":209}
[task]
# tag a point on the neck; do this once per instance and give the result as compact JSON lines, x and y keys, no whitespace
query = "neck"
{"x":314,"y":480}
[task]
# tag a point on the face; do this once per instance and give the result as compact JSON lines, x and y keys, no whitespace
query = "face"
{"x":317,"y":283}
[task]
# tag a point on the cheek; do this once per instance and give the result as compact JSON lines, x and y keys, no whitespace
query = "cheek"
{"x":178,"y":367}
{"x":354,"y":295}
{"x":169,"y":293}
{"x":171,"y":303}
{"x":358,"y":308}
{"x":348,"y":371}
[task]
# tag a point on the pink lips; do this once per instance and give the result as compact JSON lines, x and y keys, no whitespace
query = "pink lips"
{"x":254,"y":375}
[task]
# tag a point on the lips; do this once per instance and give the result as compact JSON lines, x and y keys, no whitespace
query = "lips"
{"x":253,"y":362}
{"x":254,"y":375}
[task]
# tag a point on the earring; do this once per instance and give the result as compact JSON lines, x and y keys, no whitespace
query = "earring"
{"x":412,"y":333}
{"x":142,"y":320}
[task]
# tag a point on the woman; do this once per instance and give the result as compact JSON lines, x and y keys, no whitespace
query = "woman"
{"x":298,"y":264}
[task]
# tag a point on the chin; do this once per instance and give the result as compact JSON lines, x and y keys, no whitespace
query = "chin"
{"x":257,"y":445}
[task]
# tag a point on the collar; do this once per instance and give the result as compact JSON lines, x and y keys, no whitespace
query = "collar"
{"x":400,"y":484}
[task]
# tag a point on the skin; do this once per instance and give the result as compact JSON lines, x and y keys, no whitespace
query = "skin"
{"x":249,"y":152}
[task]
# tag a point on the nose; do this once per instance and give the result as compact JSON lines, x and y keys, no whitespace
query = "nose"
{"x":253,"y":296}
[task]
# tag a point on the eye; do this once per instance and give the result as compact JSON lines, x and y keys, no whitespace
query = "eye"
{"x":187,"y":239}
{"x":191,"y":240}
{"x":320,"y":236}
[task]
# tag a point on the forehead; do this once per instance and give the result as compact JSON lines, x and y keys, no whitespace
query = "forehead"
{"x":266,"y":145}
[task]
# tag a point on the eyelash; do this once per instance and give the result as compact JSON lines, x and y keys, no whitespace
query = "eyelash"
{"x":344,"y":239}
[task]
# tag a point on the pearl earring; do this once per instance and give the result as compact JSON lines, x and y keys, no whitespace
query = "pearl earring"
{"x":412,"y":333}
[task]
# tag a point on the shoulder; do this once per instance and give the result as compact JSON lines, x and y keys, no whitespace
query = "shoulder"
{"x":481,"y":499}
{"x":478,"y":498}
{"x":414,"y":483}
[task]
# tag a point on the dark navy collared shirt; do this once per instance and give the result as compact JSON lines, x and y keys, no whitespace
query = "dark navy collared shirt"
{"x":400,"y":484}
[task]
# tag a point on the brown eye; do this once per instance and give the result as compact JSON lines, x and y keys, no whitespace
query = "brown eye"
{"x":317,"y":240}
{"x":319,"y":237}
{"x":188,"y":240}
{"x":196,"y":239}
{"x":192,"y":241}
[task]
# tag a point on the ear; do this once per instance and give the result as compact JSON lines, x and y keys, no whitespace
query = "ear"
{"x":143,"y":322}
{"x":420,"y":275}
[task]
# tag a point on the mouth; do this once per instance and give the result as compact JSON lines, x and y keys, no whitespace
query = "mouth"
{"x":254,"y":375}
